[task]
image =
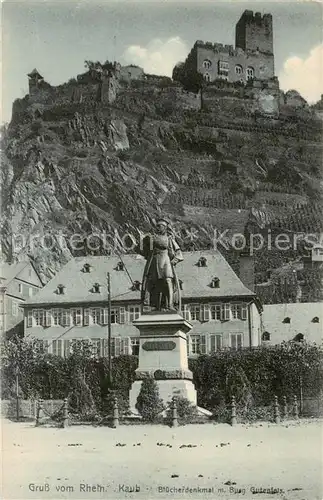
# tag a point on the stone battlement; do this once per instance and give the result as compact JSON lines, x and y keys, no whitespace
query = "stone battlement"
{"x":217,"y":47}
{"x":256,"y":17}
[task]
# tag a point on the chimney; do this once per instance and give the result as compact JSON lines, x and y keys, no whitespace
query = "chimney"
{"x":247,"y":270}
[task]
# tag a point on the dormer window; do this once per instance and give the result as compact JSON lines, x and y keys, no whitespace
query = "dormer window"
{"x":316,"y":319}
{"x":136,"y":286}
{"x":96,"y":288}
{"x":86,"y":268}
{"x":202,"y":262}
{"x":286,"y":320}
{"x":266,"y":337}
{"x":60,"y":289}
{"x":120,"y":266}
{"x":215,"y":283}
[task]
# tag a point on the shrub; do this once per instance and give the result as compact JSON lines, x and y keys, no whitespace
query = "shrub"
{"x":81,"y":398}
{"x":222,"y":414}
{"x":186,"y":411}
{"x":108,"y":403}
{"x":148,"y":403}
{"x":255,"y":414}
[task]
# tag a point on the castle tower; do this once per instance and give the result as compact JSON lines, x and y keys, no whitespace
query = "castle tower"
{"x":34,"y":80}
{"x":254,"y":32}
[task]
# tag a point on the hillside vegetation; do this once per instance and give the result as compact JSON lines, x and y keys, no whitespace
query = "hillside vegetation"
{"x":85,"y":167}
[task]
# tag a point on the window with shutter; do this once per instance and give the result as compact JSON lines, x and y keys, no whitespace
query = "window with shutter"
{"x":233,"y":341}
{"x":236,"y":341}
{"x":216,"y":312}
{"x":244,"y":313}
{"x":236,"y":311}
{"x":76,"y":316}
{"x":202,"y":344}
{"x":65,"y":317}
{"x":117,"y":346}
{"x":86,"y":318}
{"x":39,"y":317}
{"x":105,"y":347}
{"x":49,"y":317}
{"x":29,"y":319}
{"x":56,"y":313}
{"x":104,"y":316}
{"x":215,"y":343}
{"x":122,"y":315}
{"x":114,"y":315}
{"x":225,"y":312}
{"x":134,"y":313}
{"x":205,"y":312}
{"x":186,"y":312}
{"x":125,"y":346}
{"x":96,"y":315}
{"x":66,"y":348}
{"x":135,"y":345}
{"x":195,"y":344}
{"x":57,"y":347}
{"x":195,"y":310}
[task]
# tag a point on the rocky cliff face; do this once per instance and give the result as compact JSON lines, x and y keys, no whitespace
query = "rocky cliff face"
{"x":72,"y":170}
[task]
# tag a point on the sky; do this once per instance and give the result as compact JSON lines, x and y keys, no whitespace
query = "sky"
{"x":57,"y":37}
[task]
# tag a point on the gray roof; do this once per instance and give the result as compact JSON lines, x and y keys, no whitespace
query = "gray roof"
{"x":10,"y":271}
{"x":196,"y":280}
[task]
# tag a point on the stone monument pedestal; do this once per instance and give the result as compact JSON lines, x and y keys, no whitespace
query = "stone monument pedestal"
{"x":163,"y":356}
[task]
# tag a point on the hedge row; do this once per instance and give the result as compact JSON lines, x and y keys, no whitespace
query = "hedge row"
{"x":252,"y":376}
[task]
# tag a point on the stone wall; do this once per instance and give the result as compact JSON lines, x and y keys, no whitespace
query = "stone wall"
{"x":129,"y":73}
{"x":262,"y":64}
{"x":181,"y":98}
{"x":266,"y":101}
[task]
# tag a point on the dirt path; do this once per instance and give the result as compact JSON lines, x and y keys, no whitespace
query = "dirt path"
{"x":223,"y":463}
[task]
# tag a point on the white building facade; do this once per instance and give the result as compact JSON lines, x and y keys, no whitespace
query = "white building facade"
{"x":74,"y":305}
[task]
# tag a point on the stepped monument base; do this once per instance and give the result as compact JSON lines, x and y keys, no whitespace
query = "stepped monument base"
{"x":163,"y":356}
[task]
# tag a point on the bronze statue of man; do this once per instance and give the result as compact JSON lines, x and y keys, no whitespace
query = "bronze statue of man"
{"x":160,"y":288}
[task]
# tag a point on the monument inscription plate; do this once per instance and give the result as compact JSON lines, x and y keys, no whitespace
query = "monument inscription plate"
{"x":159,"y":345}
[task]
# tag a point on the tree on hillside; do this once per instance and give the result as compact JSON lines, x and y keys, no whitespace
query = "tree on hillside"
{"x":191,"y":80}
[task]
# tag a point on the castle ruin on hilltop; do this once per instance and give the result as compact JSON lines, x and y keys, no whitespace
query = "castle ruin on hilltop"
{"x":104,"y":77}
{"x":251,"y":59}
{"x":239,"y":80}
